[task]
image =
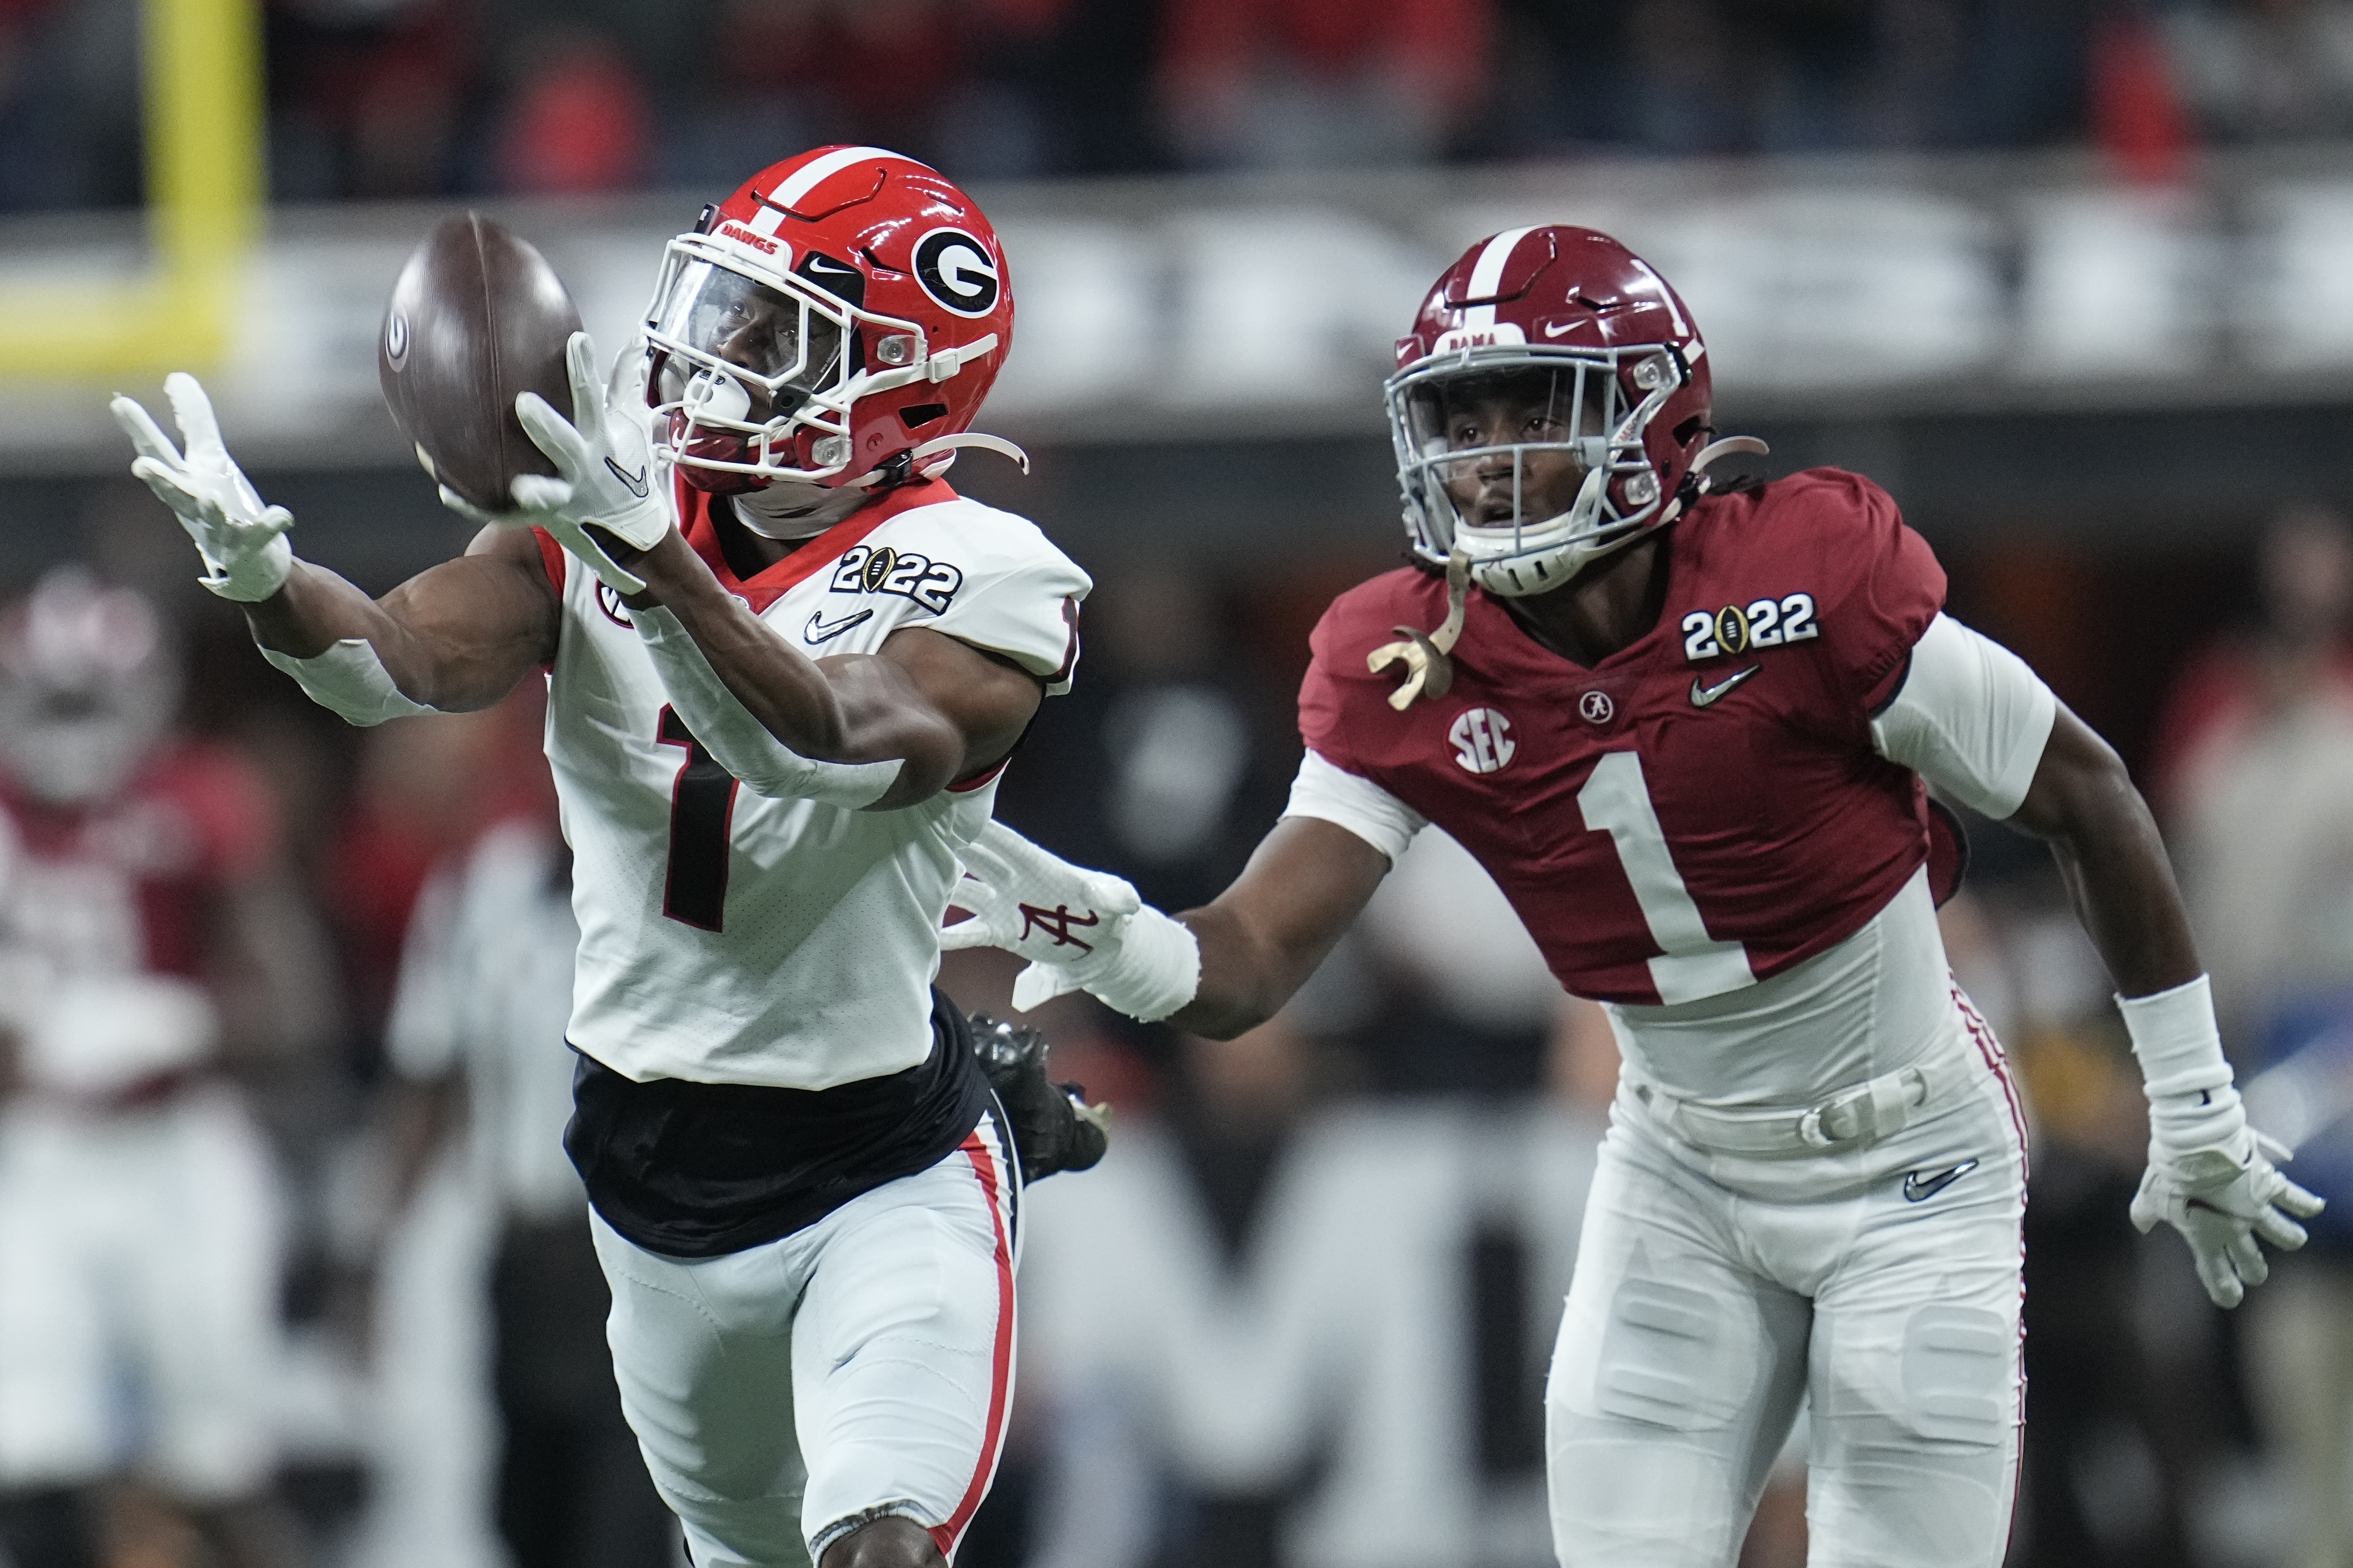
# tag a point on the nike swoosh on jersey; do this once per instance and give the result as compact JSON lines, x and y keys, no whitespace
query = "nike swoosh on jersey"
{"x":1919,"y":1186}
{"x":822,"y":630}
{"x":1703,"y":695}
{"x":636,"y":482}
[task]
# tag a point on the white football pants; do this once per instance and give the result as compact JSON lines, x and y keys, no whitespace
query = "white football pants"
{"x":787,"y":1394}
{"x":139,"y":1256}
{"x":1713,"y":1291}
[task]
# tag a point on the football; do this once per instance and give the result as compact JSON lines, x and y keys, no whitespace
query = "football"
{"x":476,"y":316}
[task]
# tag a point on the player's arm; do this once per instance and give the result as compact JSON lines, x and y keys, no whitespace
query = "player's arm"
{"x":1220,"y":970}
{"x":1305,"y":884}
{"x":878,"y":730}
{"x":455,"y":637}
{"x":1974,"y":720}
{"x":2083,"y":804}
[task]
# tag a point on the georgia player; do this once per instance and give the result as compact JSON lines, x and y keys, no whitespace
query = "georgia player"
{"x":784,"y":677}
{"x":1687,"y":732}
{"x":139,"y":1213}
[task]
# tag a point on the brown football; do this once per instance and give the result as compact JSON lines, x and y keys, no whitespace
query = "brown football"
{"x":476,"y":316}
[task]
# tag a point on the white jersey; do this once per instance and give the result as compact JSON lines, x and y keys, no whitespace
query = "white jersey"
{"x":728,"y":938}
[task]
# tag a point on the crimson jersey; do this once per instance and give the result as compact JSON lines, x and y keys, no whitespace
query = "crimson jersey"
{"x":132,"y":881}
{"x":109,"y":915}
{"x":1705,"y":807}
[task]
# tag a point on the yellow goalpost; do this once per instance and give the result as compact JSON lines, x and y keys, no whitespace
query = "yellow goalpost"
{"x":202,"y":78}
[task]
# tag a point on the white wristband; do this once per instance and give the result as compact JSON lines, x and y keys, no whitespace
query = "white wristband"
{"x":739,"y":742}
{"x":350,"y":680}
{"x":2191,"y":1102}
{"x":2176,"y":1039}
{"x":1156,"y":971}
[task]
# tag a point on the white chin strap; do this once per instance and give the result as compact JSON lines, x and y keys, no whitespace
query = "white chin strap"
{"x":761,"y":509}
{"x":945,"y":447}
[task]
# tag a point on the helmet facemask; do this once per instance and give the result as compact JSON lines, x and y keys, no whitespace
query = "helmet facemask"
{"x":1528,"y":463}
{"x":750,"y":379}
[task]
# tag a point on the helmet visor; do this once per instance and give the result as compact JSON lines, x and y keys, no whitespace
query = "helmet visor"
{"x":723,"y":327}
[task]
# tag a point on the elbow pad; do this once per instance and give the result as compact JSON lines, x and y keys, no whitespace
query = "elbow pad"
{"x":351,"y":681}
{"x":739,"y":742}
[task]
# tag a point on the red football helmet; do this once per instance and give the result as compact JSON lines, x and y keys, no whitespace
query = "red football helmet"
{"x":1609,"y":376}
{"x":837,"y":319}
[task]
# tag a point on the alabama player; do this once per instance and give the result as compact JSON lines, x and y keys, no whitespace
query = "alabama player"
{"x":139,"y":1212}
{"x":1687,"y":732}
{"x":784,"y":677}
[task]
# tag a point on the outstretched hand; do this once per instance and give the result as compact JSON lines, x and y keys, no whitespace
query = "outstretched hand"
{"x":604,"y":475}
{"x":243,"y":543}
{"x":1065,"y":919}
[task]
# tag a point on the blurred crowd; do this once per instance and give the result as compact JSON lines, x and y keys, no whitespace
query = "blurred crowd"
{"x":296,"y":1273}
{"x":386,"y":99}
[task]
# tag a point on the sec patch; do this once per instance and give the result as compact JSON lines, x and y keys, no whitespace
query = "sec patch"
{"x":1482,"y":738}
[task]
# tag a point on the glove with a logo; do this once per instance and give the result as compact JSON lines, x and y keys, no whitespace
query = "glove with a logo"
{"x":1054,"y":1127}
{"x":243,"y":543}
{"x":604,"y":475}
{"x":1081,"y":930}
{"x":2211,"y":1176}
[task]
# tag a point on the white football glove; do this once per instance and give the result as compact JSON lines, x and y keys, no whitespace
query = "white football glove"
{"x":2221,"y":1198}
{"x":2211,"y":1176}
{"x":1081,"y":930}
{"x":604,"y":475}
{"x":243,"y":543}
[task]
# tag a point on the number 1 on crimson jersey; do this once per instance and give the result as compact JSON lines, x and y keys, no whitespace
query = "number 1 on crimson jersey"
{"x":1616,"y":800}
{"x":702,"y":811}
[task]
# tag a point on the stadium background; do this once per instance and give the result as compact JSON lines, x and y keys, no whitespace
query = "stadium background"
{"x":2068,"y":277}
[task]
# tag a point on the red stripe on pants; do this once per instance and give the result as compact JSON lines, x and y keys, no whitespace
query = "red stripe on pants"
{"x":1000,"y":1379}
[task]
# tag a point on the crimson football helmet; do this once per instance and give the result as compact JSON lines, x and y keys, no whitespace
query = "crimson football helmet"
{"x":1582,"y":332}
{"x":88,"y":680}
{"x":838,"y":320}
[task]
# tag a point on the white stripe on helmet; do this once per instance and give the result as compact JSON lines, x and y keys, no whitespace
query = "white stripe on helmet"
{"x":1668,"y":295}
{"x":1487,"y":274}
{"x":806,"y":178}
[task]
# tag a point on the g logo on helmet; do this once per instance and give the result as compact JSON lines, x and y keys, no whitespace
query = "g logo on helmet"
{"x":956,"y":270}
{"x":396,"y":339}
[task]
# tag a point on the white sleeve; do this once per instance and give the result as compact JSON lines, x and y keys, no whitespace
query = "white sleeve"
{"x":1970,"y":718}
{"x":1016,"y":596}
{"x":1358,"y":804}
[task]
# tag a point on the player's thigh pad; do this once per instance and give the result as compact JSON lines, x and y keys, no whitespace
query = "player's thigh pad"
{"x":904,"y":1351}
{"x":1915,"y":1388}
{"x":1677,"y":1376}
{"x":204,"y":1277}
{"x":55,"y":1373}
{"x":702,"y":1352}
